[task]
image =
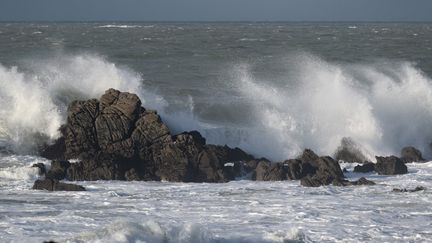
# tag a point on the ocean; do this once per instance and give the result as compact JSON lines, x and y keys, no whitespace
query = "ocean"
{"x":271,"y":89}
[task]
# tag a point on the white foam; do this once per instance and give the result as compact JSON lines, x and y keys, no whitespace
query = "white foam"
{"x":124,"y":26}
{"x":34,"y":102}
{"x":382,"y":107}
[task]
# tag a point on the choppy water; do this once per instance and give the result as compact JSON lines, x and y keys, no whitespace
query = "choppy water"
{"x":271,"y":89}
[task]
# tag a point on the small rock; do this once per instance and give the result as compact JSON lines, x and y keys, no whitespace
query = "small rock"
{"x":365,"y":168}
{"x":58,"y":169}
{"x":41,"y":167}
{"x":55,"y":185}
{"x":391,"y":165}
{"x":411,"y":154}
{"x":266,"y":171}
{"x":419,"y":188}
{"x":359,"y":182}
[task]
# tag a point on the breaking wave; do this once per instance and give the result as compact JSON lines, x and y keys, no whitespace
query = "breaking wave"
{"x":379,"y":108}
{"x":376,"y":108}
{"x":34,"y":99}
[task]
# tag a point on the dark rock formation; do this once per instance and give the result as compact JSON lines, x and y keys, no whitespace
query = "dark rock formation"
{"x":55,"y":185}
{"x":411,"y":154}
{"x":419,"y":188}
{"x":267,"y":171}
{"x":58,"y":169}
{"x":41,"y":168}
{"x":365,"y":168}
{"x":391,"y":165}
{"x":115,"y":138}
{"x":349,"y":151}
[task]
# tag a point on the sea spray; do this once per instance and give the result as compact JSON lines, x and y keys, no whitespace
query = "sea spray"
{"x":34,"y":102}
{"x":379,"y":107}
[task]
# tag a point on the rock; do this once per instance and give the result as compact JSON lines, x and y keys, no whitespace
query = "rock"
{"x":266,"y":171}
{"x":41,"y":167}
{"x":326,"y":171}
{"x":411,"y":154}
{"x":297,"y":169}
{"x":391,"y":165}
{"x":55,"y":151}
{"x":80,"y":132}
{"x":132,"y":175}
{"x":308,"y":156}
{"x":55,"y":185}
{"x":361,"y":181}
{"x":316,"y":180}
{"x":365,"y":168}
{"x":58,"y":169}
{"x":349,"y":151}
{"x":115,"y":138}
{"x":419,"y":188}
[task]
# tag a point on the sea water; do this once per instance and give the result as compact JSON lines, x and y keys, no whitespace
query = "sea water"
{"x":272,"y":89}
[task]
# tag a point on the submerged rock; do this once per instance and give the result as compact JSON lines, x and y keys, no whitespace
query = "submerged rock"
{"x":391,"y":165}
{"x":411,"y":154}
{"x":55,"y":185}
{"x":419,"y":188}
{"x":360,"y":182}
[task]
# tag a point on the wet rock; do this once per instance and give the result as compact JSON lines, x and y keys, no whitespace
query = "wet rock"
{"x":266,"y":171}
{"x":55,"y":151}
{"x":349,"y":151}
{"x":55,"y":185}
{"x":58,"y":169}
{"x":116,"y":139}
{"x":326,"y":171}
{"x":411,"y":154}
{"x":308,"y":156}
{"x":41,"y":167}
{"x":297,"y":169}
{"x":359,"y":182}
{"x":365,"y":168}
{"x":391,"y":165}
{"x":419,"y":188}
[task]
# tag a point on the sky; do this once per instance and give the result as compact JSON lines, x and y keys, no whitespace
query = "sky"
{"x":215,"y":10}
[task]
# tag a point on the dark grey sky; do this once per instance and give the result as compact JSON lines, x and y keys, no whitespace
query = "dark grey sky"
{"x":216,"y":10}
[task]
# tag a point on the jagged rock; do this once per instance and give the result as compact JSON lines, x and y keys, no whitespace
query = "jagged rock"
{"x":349,"y":151}
{"x":419,"y":188}
{"x":41,"y":167}
{"x":297,"y":169}
{"x":132,"y":175}
{"x":326,"y":170}
{"x":115,"y":138}
{"x":55,"y":185}
{"x":55,"y":151}
{"x":411,"y":154}
{"x":267,"y":171}
{"x":391,"y":165}
{"x":365,"y":168}
{"x":308,"y":156}
{"x":58,"y":169}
